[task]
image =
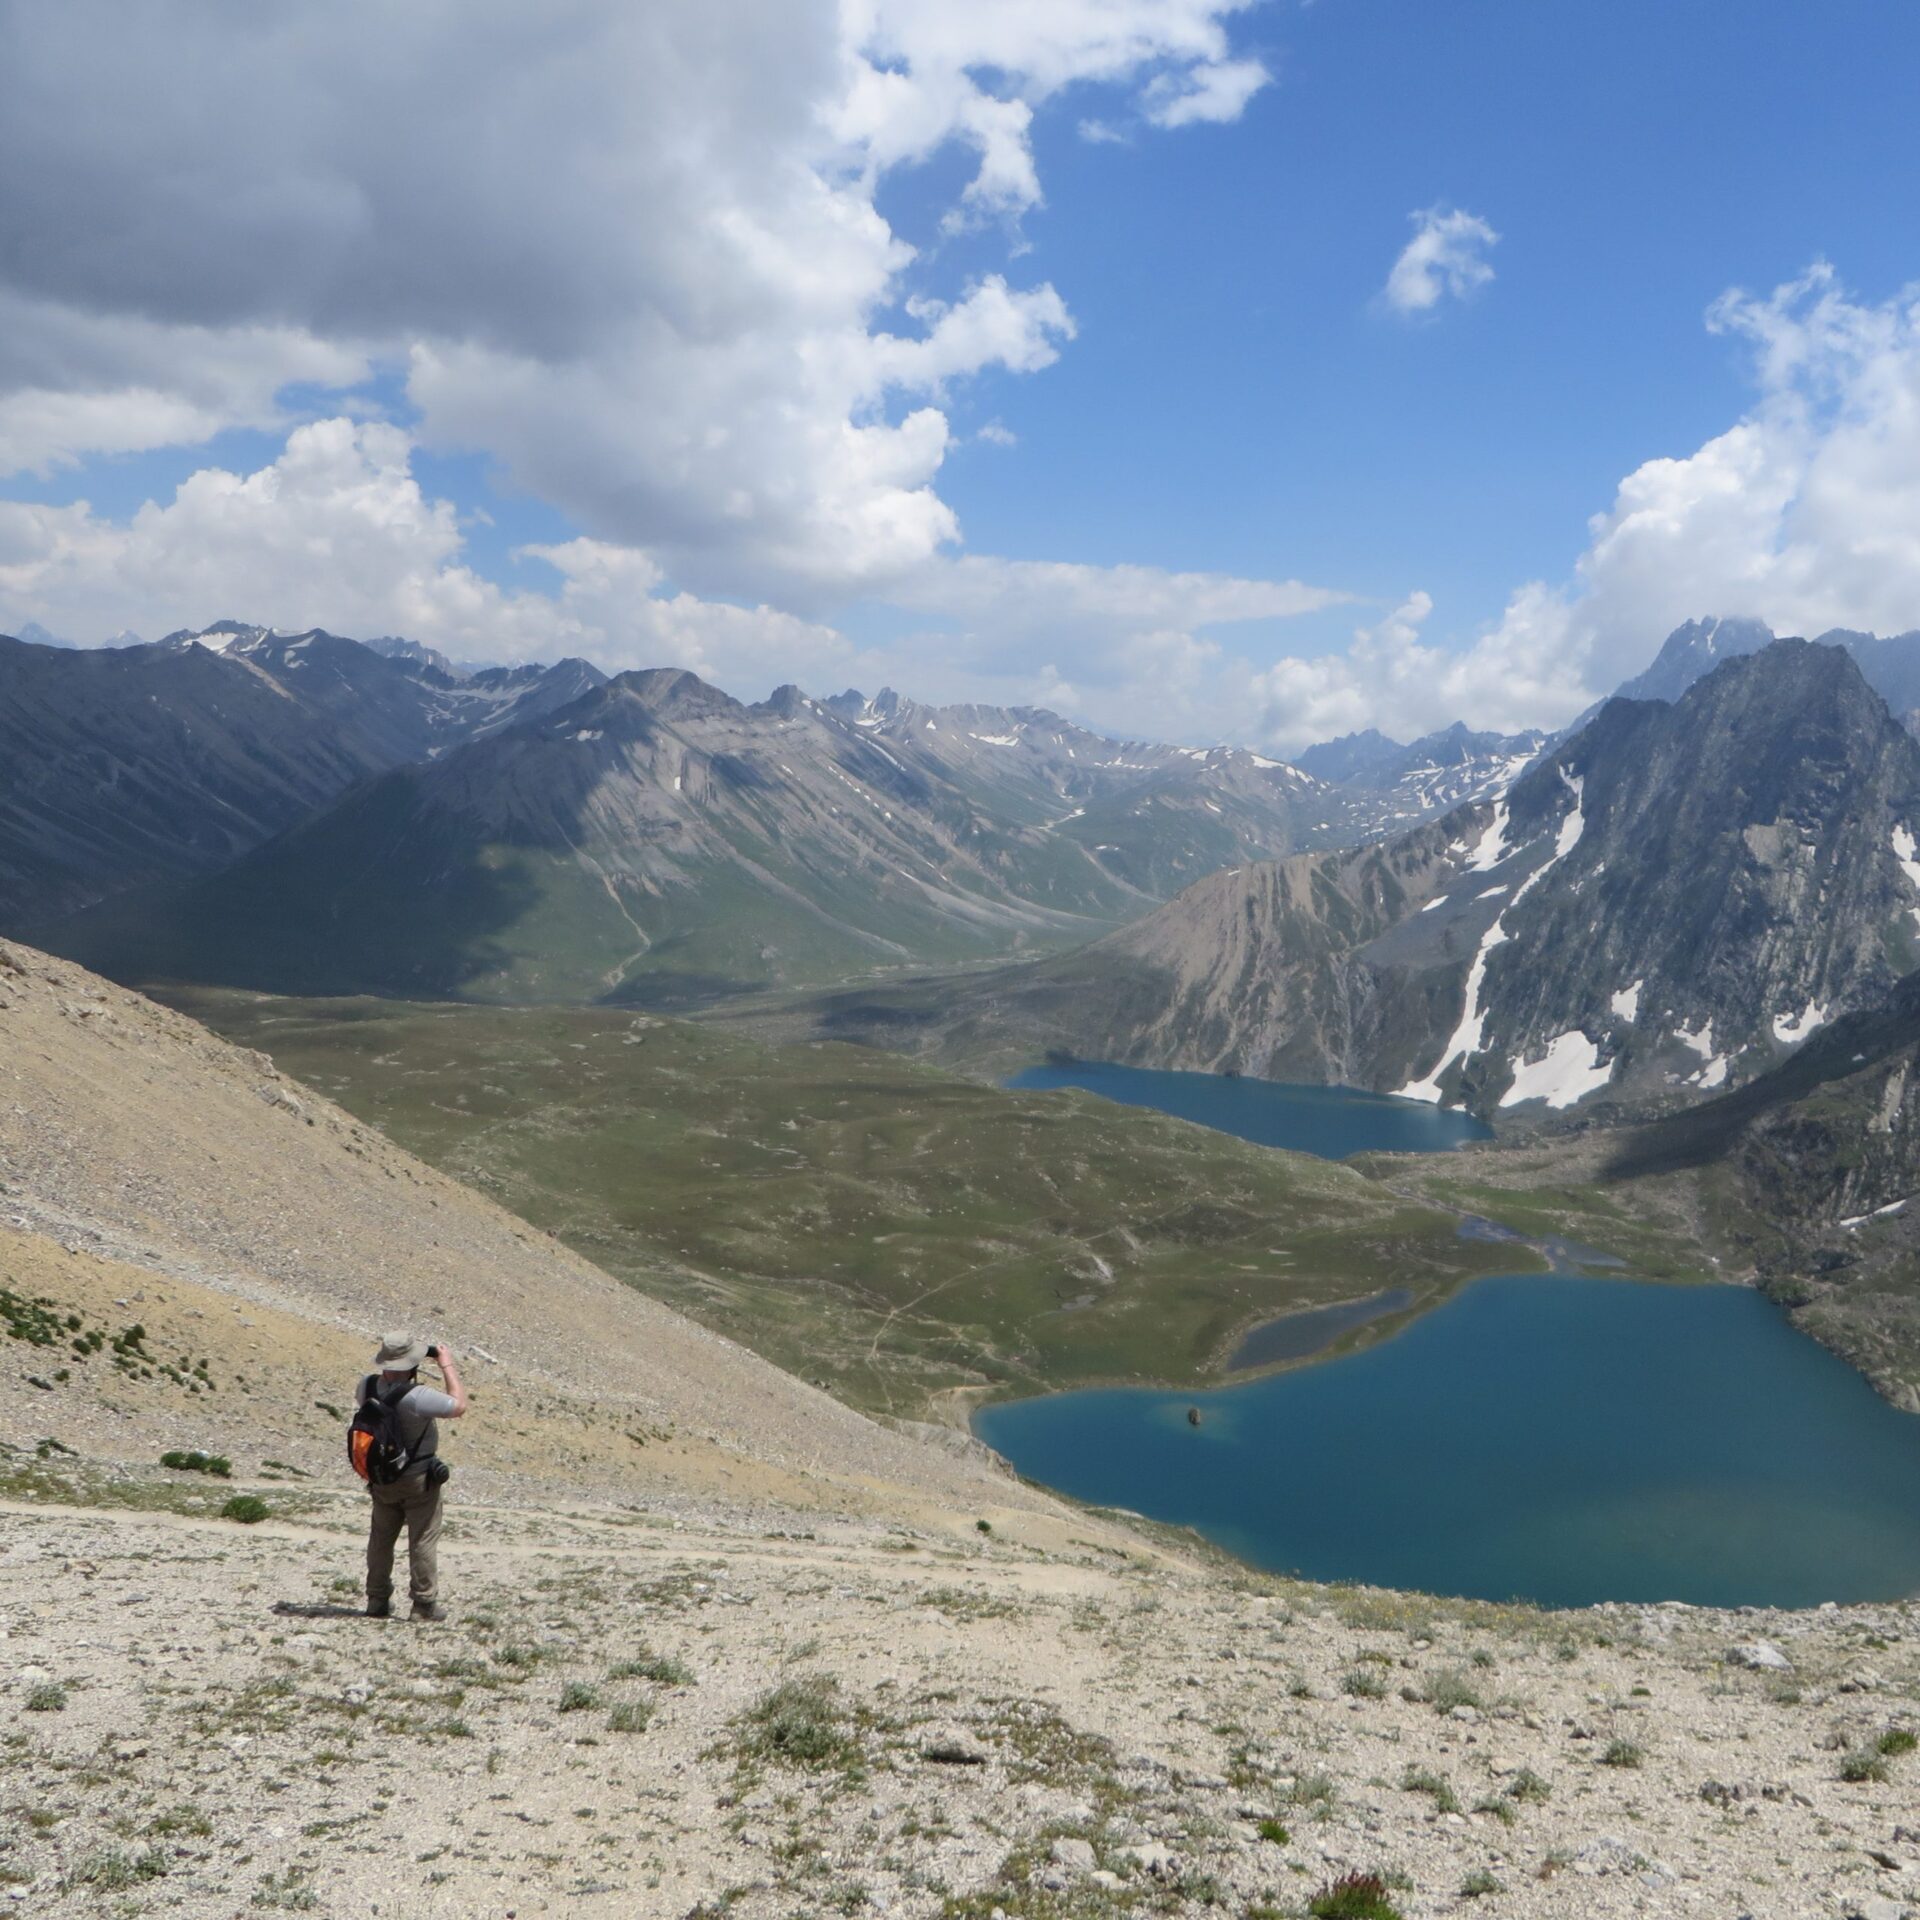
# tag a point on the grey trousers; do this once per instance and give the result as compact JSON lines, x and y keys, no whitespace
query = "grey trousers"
{"x":413,"y":1504}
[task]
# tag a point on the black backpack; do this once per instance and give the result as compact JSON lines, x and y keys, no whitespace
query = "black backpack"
{"x":376,"y":1448}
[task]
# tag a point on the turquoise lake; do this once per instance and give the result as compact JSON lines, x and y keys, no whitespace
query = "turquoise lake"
{"x":1562,"y":1438}
{"x":1329,"y":1121}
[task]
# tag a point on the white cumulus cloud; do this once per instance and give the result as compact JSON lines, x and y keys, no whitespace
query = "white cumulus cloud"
{"x":1804,"y":513}
{"x":1445,"y":259}
{"x":337,"y":532}
{"x":634,"y":253}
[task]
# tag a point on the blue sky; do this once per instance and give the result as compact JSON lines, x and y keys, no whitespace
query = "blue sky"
{"x":1237,"y":400}
{"x":702,"y":376}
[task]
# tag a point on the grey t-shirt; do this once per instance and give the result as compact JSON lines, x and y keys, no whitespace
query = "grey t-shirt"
{"x":421,"y":1409}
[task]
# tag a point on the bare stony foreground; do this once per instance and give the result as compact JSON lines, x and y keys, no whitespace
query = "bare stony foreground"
{"x":197,"y":1725}
{"x":719,"y":1644}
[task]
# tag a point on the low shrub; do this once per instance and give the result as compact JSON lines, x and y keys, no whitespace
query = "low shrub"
{"x":663,"y":1669}
{"x":1354,"y":1896}
{"x":1434,"y":1785}
{"x":1450,"y":1689}
{"x":1477,"y":1884}
{"x":1897,"y":1740}
{"x":192,"y":1460}
{"x":48,"y":1697}
{"x":1864,"y":1764}
{"x":247,"y":1508}
{"x":1273,"y":1832}
{"x":800,"y":1722}
{"x":630,"y":1716}
{"x":115,"y":1869}
{"x":1363,"y":1684}
{"x":1622,"y":1753}
{"x":578,"y":1697}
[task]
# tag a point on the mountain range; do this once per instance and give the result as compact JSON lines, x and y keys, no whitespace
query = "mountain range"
{"x":308,"y":810}
{"x":131,"y":765}
{"x":1474,"y":917}
{"x":1382,"y":785}
{"x":657,"y":839}
{"x":1673,"y":897}
{"x":1890,"y":666}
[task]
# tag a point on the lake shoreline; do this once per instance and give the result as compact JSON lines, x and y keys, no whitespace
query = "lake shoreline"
{"x":1092,"y":1436}
{"x":1569,"y":1439}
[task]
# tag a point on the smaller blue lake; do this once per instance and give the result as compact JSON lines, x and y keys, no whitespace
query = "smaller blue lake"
{"x":1556,"y":1438}
{"x":1332,"y":1122}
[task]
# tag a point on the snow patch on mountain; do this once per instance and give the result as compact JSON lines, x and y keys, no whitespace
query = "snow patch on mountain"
{"x":1575,"y":824}
{"x":1700,"y":1039}
{"x":1908,"y":854}
{"x":1791,"y":1029}
{"x":1570,"y":1069}
{"x":1491,"y":847}
{"x":1626,"y":1003}
{"x":1714,"y":1072}
{"x":1468,"y":1034}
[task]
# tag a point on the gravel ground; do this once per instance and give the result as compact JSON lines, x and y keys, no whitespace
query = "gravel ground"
{"x":198,"y":1723}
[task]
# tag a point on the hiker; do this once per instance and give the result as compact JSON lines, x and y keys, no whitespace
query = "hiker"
{"x":407,"y":1476}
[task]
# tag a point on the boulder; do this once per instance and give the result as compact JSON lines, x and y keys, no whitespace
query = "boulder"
{"x":1076,"y":1856}
{"x":1760,"y":1656}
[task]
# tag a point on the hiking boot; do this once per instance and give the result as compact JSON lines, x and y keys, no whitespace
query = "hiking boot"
{"x":428,"y":1610}
{"x":379,"y":1609}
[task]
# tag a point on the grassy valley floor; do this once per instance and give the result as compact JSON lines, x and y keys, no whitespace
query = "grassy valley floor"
{"x":895,"y":1233}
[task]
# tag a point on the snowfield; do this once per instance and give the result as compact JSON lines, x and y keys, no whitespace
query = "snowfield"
{"x":1570,"y":1070}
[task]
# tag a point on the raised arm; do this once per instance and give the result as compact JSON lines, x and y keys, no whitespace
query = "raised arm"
{"x":456,"y":1387}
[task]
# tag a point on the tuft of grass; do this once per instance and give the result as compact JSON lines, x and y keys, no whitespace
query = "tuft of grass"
{"x":115,"y":1869}
{"x":49,"y":1696}
{"x":1273,"y":1832}
{"x":663,"y":1669}
{"x":630,"y":1716}
{"x":192,"y":1460}
{"x":1864,"y":1764}
{"x":577,"y":1696}
{"x":1449,"y":1689}
{"x":1622,"y":1753}
{"x":983,"y":1526}
{"x":801,"y":1723}
{"x":1896,"y":1741}
{"x":1528,"y":1786}
{"x":181,"y":1819}
{"x":287,"y":1890}
{"x":1477,"y":1884}
{"x":247,"y":1508}
{"x":1354,"y":1896}
{"x":1363,"y":1684}
{"x":1434,"y":1785}
{"x":1317,"y":1793}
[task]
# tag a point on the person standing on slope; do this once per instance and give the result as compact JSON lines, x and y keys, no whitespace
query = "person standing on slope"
{"x":412,"y":1497}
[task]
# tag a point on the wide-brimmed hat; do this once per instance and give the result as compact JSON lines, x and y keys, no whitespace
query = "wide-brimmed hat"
{"x":400,"y":1353}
